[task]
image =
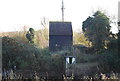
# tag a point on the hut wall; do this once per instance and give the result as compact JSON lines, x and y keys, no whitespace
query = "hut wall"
{"x":60,"y":42}
{"x":60,"y":36}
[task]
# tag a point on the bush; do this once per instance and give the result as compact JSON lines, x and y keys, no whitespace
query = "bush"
{"x":28,"y":57}
{"x":17,"y":53}
{"x":109,"y":61}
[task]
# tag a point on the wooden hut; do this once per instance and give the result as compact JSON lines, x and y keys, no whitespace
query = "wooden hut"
{"x":60,"y":36}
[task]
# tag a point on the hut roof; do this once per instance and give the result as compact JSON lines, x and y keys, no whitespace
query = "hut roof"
{"x":60,"y":28}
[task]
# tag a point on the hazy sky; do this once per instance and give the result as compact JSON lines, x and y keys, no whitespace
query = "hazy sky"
{"x":14,"y":14}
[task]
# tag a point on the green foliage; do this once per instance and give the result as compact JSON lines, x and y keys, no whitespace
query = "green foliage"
{"x":109,"y":61}
{"x":113,"y":44}
{"x":119,"y":23}
{"x":17,"y":53}
{"x":58,"y":62}
{"x":79,"y":38}
{"x":97,"y":29}
{"x":30,"y":35}
{"x":28,"y":57}
{"x":118,"y":35}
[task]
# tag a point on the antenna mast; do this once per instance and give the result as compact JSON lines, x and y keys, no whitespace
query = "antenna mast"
{"x":62,"y":10}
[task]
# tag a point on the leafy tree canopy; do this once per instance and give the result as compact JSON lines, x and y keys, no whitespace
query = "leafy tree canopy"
{"x":30,"y":35}
{"x":97,"y":29}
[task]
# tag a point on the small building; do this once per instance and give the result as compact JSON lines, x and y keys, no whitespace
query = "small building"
{"x":60,"y":36}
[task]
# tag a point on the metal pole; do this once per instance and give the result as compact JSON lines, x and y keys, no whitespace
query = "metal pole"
{"x":62,"y":11}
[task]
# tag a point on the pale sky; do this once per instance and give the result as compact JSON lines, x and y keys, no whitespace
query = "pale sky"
{"x":14,"y":14}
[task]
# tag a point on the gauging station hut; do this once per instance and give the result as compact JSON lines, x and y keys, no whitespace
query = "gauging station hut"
{"x":60,"y":36}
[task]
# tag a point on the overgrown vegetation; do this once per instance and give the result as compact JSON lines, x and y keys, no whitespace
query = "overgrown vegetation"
{"x":26,"y":56}
{"x":96,"y":50}
{"x":105,"y":43}
{"x":97,"y":29}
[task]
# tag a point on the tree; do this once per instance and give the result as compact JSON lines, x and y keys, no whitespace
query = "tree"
{"x":30,"y":35}
{"x":79,"y":38}
{"x":16,"y":53}
{"x":42,"y":34}
{"x":97,"y":29}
